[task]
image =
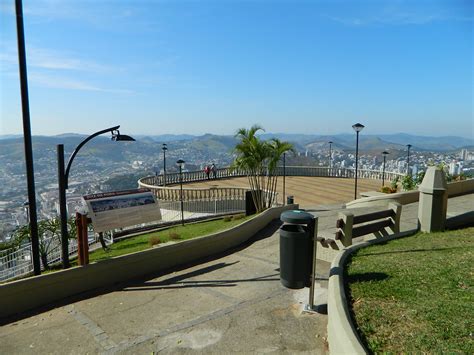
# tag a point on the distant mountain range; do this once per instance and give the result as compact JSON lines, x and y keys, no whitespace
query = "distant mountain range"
{"x":209,"y":145}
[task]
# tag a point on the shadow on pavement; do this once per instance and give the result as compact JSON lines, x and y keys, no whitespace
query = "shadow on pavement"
{"x":265,"y":233}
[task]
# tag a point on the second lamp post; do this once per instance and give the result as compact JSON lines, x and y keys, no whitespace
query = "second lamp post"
{"x":384,"y":153}
{"x":180,"y":163}
{"x":357,"y":128}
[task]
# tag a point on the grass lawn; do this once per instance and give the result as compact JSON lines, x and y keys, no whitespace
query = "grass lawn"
{"x":177,"y":233}
{"x":415,"y":294}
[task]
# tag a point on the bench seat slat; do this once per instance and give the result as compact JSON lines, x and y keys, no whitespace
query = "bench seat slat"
{"x":373,"y":216}
{"x":370,"y":228}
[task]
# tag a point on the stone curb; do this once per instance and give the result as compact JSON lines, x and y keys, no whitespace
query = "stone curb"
{"x":342,"y":334}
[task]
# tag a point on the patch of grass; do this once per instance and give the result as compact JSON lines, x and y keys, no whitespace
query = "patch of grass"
{"x":236,"y":217}
{"x":155,"y":240}
{"x":143,"y":241}
{"x":415,"y":294}
{"x":174,"y":236}
{"x":227,"y":218}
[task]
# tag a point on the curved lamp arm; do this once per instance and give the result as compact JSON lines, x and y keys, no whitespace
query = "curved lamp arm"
{"x":73,"y":155}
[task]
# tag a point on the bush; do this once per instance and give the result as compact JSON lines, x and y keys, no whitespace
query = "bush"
{"x":227,"y":219}
{"x":238,"y":216}
{"x":174,"y":236}
{"x":154,"y":240}
{"x":394,"y":183}
{"x":419,"y":177}
{"x":408,"y":183}
{"x":388,"y":190}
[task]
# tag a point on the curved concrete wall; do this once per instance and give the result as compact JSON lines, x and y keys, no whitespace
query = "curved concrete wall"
{"x":342,"y":334}
{"x":27,"y":294}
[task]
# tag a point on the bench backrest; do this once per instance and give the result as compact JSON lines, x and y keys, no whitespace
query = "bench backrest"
{"x":348,"y":225}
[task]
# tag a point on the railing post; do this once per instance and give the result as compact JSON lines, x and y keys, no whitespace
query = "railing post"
{"x":397,"y":209}
{"x":346,"y":229}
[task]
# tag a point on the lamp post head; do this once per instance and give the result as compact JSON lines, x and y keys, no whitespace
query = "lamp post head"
{"x":385,"y":152}
{"x":116,"y":136}
{"x":164,"y":147}
{"x":408,"y":146}
{"x":330,"y":142}
{"x":358,"y":127}
{"x":180,"y":162}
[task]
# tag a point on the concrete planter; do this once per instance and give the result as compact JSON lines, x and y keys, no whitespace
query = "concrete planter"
{"x":456,"y":188}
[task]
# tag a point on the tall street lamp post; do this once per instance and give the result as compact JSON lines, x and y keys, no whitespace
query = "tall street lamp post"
{"x":357,"y":128}
{"x":384,"y":153}
{"x":284,"y":178}
{"x":180,"y":163}
{"x":408,"y":159}
{"x":330,"y":157}
{"x":25,"y":108}
{"x":165,"y":148}
{"x":63,"y":175}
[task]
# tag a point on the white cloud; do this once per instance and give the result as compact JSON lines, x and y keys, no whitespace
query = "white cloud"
{"x":58,"y":82}
{"x":51,"y":59}
{"x":397,"y":18}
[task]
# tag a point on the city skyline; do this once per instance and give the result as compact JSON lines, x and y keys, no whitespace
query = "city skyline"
{"x":205,"y":67}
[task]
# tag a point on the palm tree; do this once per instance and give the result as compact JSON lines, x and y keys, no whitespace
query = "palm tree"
{"x":259,"y":160}
{"x":49,"y":232}
{"x":277,"y":149}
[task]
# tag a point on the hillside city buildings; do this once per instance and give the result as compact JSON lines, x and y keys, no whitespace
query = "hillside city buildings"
{"x":96,"y":175}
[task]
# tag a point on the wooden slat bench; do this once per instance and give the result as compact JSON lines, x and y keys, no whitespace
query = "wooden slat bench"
{"x":372,"y":225}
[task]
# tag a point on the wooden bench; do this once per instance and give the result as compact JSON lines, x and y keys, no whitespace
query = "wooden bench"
{"x":372,"y":225}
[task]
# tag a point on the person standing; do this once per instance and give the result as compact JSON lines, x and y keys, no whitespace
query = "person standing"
{"x":214,"y":171}
{"x":207,"y":170}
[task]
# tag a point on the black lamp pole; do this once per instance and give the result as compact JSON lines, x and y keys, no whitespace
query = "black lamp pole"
{"x":284,"y":178}
{"x":330,"y":157}
{"x":63,"y":176}
{"x":384,"y":153}
{"x":25,"y":107}
{"x":357,"y":127}
{"x":408,"y":159}
{"x":180,"y":163}
{"x":165,"y":148}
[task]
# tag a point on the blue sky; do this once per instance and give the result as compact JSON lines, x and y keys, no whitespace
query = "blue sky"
{"x":194,"y":67}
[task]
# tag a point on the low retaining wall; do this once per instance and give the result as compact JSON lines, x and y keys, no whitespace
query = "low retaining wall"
{"x":27,"y":294}
{"x":342,"y":334}
{"x":456,"y":188}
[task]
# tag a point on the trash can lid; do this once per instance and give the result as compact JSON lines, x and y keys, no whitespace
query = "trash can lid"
{"x":296,"y":217}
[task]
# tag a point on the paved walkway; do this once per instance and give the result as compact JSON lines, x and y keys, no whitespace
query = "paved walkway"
{"x":231,"y":303}
{"x":307,"y":190}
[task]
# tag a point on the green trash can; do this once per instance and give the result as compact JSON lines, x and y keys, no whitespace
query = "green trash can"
{"x":296,"y":248}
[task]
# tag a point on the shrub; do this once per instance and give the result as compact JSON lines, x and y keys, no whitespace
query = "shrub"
{"x":408,"y":183}
{"x":154,"y":240}
{"x":419,"y":177}
{"x":238,"y":216}
{"x":394,"y":183}
{"x":227,"y":218}
{"x":388,"y":190}
{"x":174,"y":236}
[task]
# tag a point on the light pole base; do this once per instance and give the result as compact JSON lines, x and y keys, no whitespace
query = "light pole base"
{"x":315,"y":309}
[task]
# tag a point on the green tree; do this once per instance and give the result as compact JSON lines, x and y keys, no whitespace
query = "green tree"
{"x":49,"y":235}
{"x":276,"y":150}
{"x":259,"y":160}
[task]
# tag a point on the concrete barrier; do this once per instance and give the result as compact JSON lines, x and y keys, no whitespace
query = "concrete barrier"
{"x":456,"y":188}
{"x":27,"y":294}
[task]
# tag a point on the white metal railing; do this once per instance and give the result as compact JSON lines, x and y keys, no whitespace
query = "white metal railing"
{"x":19,"y":262}
{"x":224,"y":173}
